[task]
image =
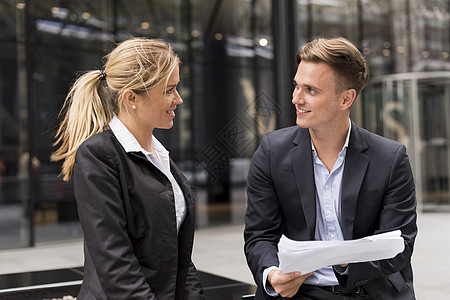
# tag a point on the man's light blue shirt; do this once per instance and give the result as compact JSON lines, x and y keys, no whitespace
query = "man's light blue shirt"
{"x":328,"y":208}
{"x":328,"y":212}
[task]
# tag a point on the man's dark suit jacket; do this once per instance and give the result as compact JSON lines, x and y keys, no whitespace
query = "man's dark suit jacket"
{"x":378,"y":195}
{"x":127,"y":212}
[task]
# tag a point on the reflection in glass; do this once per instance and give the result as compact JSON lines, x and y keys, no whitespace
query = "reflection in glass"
{"x":229,"y":87}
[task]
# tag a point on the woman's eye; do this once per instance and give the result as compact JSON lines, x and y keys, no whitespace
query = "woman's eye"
{"x":168,"y":92}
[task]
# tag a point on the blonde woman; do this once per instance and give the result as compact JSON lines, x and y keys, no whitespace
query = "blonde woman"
{"x":135,"y":206}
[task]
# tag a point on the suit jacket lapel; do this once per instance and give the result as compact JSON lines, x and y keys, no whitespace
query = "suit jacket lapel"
{"x":356,"y":164}
{"x":185,"y":187}
{"x":301,"y":156}
{"x":185,"y":240}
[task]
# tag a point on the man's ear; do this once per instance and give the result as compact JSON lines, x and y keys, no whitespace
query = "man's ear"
{"x":348,"y":97}
{"x":130,"y":98}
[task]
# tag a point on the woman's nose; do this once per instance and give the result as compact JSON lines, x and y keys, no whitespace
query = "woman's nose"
{"x":178,"y":99}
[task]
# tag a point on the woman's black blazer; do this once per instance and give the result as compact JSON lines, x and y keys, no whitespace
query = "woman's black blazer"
{"x":127,"y":212}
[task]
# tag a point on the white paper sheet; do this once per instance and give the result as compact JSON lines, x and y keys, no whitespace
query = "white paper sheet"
{"x":309,"y":256}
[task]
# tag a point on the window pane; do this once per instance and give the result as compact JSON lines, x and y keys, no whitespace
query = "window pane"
{"x":14,"y":130}
{"x":69,"y":38}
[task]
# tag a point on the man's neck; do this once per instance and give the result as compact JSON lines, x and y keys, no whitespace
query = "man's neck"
{"x":328,"y":144}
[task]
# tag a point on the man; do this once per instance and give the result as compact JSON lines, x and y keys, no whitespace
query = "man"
{"x":328,"y":179}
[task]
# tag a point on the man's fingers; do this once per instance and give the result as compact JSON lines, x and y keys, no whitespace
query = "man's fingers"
{"x":292,"y":275}
{"x":284,"y":278}
{"x":275,"y":276}
{"x":287,"y":284}
{"x":288,"y":280}
{"x":290,"y":287}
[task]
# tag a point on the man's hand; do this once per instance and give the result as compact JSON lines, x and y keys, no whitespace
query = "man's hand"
{"x":286,"y":285}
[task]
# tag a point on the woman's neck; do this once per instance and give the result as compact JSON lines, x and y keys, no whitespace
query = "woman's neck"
{"x":143,"y":135}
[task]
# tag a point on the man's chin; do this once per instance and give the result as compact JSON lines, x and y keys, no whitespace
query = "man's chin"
{"x":301,"y":124}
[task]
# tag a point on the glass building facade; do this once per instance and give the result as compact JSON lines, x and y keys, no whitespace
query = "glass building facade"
{"x":236,"y":74}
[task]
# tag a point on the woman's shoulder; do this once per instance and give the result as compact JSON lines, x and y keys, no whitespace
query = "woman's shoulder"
{"x":102,"y":143}
{"x":98,"y":152}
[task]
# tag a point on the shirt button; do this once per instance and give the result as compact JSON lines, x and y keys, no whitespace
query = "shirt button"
{"x":327,"y":186}
{"x":328,"y":212}
{"x":332,"y":235}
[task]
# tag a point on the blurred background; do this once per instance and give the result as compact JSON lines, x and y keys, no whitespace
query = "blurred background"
{"x":236,"y":82}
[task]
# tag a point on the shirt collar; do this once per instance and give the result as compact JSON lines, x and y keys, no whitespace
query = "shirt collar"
{"x":345,"y":144}
{"x":129,"y":142}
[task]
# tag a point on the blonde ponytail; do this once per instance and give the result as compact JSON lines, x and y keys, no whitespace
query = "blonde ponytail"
{"x":85,"y":115}
{"x":137,"y":64}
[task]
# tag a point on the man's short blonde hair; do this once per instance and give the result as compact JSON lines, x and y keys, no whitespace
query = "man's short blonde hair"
{"x":350,"y":66}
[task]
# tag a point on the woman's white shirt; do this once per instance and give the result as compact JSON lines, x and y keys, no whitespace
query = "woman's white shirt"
{"x":161,"y":160}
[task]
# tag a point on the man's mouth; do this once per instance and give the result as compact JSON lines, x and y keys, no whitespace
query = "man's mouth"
{"x":301,"y":111}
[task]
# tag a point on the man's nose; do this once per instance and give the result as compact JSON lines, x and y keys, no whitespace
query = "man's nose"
{"x":297,"y":96}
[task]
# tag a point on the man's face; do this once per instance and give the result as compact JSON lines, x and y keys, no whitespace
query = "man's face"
{"x":318,"y":105}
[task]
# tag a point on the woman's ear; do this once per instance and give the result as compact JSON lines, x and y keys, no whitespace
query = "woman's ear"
{"x":130,"y":98}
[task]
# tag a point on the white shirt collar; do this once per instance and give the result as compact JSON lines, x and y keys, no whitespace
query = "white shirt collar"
{"x":129,"y":142}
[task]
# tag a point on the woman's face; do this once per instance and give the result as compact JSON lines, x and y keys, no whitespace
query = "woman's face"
{"x":156,"y":109}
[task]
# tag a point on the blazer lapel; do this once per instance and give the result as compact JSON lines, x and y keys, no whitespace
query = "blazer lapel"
{"x":185,"y":187}
{"x":356,"y":164}
{"x":302,"y":163}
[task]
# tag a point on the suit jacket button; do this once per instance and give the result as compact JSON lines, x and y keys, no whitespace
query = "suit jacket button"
{"x":361,"y":282}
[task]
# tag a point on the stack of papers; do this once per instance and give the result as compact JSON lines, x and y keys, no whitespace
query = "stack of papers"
{"x":310,"y":256}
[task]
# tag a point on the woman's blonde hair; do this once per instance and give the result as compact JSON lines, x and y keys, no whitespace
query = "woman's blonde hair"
{"x":137,"y":64}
